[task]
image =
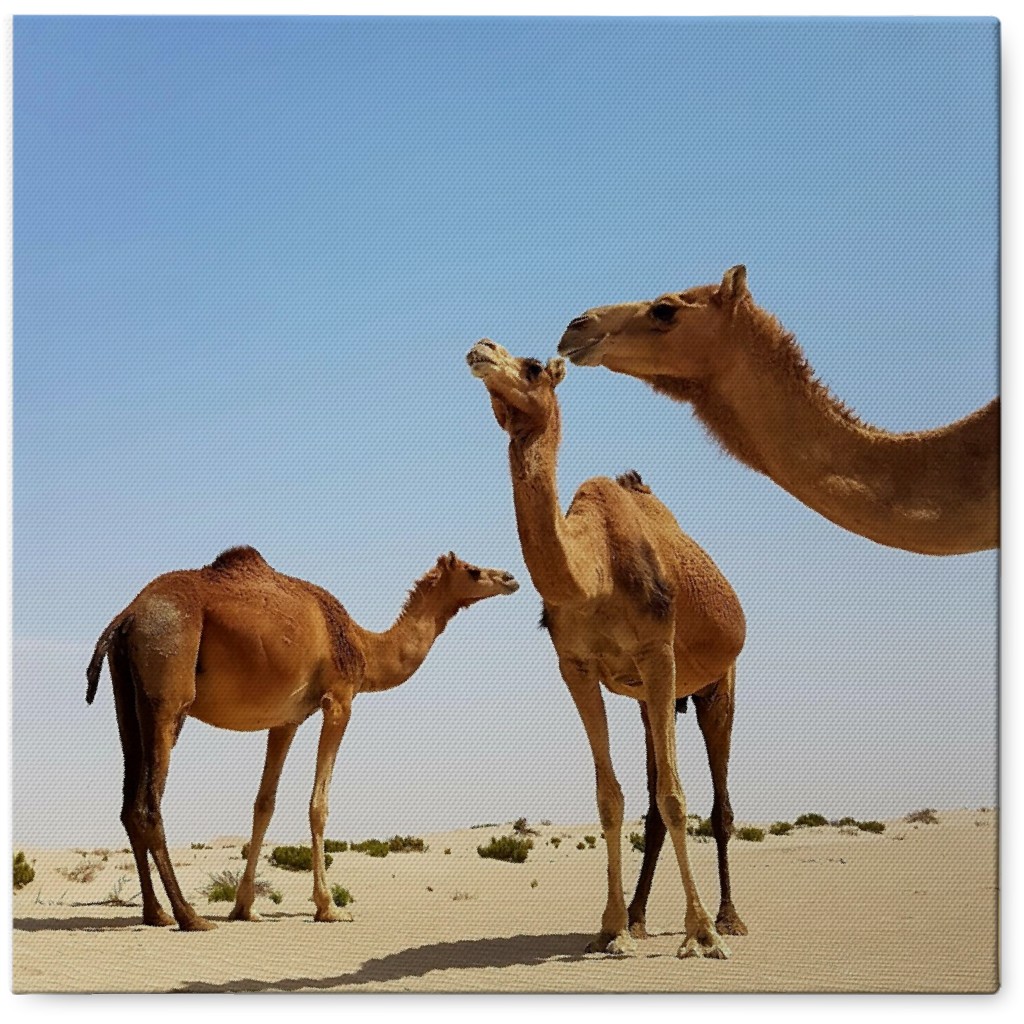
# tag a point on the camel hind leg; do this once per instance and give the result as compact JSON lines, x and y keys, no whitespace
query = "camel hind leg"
{"x":133,"y":803}
{"x":654,"y":839}
{"x":164,"y":641}
{"x":715,"y":707}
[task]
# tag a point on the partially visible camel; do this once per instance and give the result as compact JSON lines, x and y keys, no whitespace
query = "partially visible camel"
{"x":240,"y":646}
{"x":634,"y":604}
{"x":935,"y":492}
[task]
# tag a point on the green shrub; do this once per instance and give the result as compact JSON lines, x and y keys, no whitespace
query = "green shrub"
{"x":581,"y":846}
{"x":275,"y":897}
{"x":871,"y":826}
{"x":701,"y":829}
{"x":750,"y":834}
{"x":372,"y":848}
{"x":637,"y":841}
{"x":926,"y":816}
{"x":196,"y":846}
{"x":509,"y":848}
{"x":843,"y":822}
{"x":407,"y":844}
{"x":520,"y":827}
{"x":23,"y":871}
{"x":223,"y":888}
{"x":780,"y":828}
{"x":447,"y":850}
{"x":591,"y":841}
{"x":341,"y":896}
{"x":534,"y":884}
{"x":245,"y":851}
{"x":811,"y":820}
{"x":335,"y":846}
{"x":296,"y":858}
{"x":555,"y":842}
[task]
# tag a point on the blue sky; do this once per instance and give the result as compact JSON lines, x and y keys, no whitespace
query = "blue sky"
{"x":249,"y":256}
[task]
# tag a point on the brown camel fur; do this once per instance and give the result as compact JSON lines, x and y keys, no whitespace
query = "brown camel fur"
{"x":935,"y":492}
{"x":634,"y":604}
{"x":240,"y":646}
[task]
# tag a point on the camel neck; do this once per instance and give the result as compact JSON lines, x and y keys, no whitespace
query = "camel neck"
{"x":769,"y":412}
{"x":533,"y":461}
{"x":394,"y":655}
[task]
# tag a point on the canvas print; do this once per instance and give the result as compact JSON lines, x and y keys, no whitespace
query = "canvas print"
{"x":505,"y":505}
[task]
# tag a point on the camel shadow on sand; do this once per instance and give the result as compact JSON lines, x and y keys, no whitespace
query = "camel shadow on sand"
{"x":104,"y":924}
{"x":516,"y":950}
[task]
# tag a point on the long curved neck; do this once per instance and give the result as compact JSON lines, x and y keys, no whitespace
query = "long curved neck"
{"x":533,"y":462}
{"x":934,"y":492}
{"x":394,"y":655}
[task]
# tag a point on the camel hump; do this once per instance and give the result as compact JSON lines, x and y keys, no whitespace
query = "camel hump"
{"x":238,"y":558}
{"x":631,"y":482}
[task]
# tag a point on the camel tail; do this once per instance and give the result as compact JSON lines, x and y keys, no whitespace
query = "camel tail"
{"x":92,"y":673}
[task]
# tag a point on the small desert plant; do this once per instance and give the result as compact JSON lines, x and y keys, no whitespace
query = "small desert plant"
{"x":296,"y":858}
{"x":843,"y":822}
{"x":780,"y":828}
{"x":103,"y":853}
{"x":555,"y":842}
{"x":341,"y":896}
{"x":534,"y":884}
{"x":486,"y":824}
{"x":521,"y":828}
{"x":223,"y":888}
{"x":371,"y":847}
{"x":407,"y":844}
{"x":201,"y":846}
{"x":245,"y":851}
{"x":23,"y":871}
{"x":871,"y":826}
{"x":926,"y":816}
{"x":116,"y":897}
{"x":509,"y":848}
{"x":84,"y":872}
{"x":275,"y":897}
{"x":447,"y":851}
{"x":547,"y":821}
{"x":581,"y":846}
{"x":591,"y":841}
{"x":461,"y":895}
{"x":637,"y":841}
{"x":811,"y":820}
{"x":335,"y":846}
{"x":703,"y":828}
{"x":750,"y":834}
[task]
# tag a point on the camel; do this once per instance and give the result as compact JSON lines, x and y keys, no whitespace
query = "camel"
{"x":241,"y":646}
{"x":934,"y":492}
{"x":633,"y":604}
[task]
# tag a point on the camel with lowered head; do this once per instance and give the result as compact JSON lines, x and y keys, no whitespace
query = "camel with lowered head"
{"x":935,"y":492}
{"x":241,"y":646}
{"x":633,"y":604}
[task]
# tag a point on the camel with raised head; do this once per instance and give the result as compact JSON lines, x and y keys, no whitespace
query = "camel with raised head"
{"x":935,"y":492}
{"x":241,"y":646}
{"x":633,"y":604}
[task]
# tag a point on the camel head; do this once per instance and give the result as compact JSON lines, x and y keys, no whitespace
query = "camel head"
{"x":522,"y":390}
{"x":463,"y":584}
{"x":680,"y":334}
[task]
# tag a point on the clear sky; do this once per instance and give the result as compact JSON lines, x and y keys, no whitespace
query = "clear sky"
{"x":249,"y":256}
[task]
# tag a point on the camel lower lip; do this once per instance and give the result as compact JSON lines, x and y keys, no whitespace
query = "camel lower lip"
{"x":479,"y":362}
{"x":577,"y":352}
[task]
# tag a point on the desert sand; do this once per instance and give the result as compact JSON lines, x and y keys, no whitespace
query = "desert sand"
{"x":913,"y":909}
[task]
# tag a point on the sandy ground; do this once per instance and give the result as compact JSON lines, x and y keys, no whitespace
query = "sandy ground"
{"x":913,"y":909}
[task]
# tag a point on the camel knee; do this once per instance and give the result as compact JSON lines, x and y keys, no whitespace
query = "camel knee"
{"x":722,"y":820}
{"x":264,"y":806}
{"x":317,"y":817}
{"x":672,"y":806}
{"x":610,"y":804}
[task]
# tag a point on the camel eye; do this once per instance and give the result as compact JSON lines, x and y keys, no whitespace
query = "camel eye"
{"x":532,"y":369}
{"x":474,"y":574}
{"x":663,"y":312}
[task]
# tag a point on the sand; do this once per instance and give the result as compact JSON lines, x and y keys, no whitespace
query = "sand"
{"x":911,"y":910}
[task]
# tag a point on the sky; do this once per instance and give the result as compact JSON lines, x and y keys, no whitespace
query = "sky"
{"x":249,"y":257}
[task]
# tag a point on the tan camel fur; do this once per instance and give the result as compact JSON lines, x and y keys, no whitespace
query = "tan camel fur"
{"x":935,"y":492}
{"x":240,"y":646}
{"x":634,"y":604}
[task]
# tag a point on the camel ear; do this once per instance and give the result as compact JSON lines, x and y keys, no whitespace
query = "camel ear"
{"x":452,"y":560}
{"x":734,"y":285}
{"x":556,"y":370}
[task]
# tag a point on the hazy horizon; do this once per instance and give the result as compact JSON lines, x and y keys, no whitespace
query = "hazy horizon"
{"x":249,"y":257}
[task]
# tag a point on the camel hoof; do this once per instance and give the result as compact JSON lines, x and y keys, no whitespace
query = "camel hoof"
{"x":621,"y":944}
{"x":729,"y":923}
{"x":638,"y":929}
{"x":197,"y":924}
{"x":706,"y":943}
{"x":158,"y":918}
{"x":331,"y":915}
{"x":244,"y":914}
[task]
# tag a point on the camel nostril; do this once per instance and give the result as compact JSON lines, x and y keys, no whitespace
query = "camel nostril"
{"x":580,"y":322}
